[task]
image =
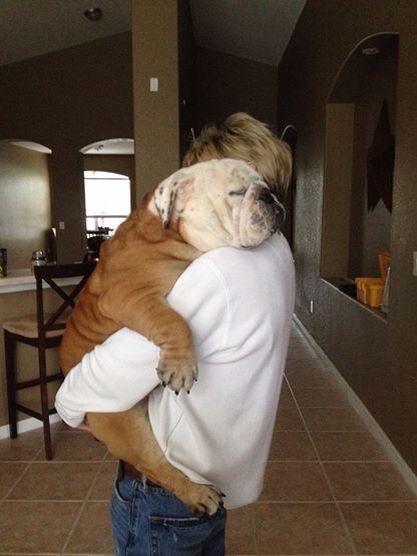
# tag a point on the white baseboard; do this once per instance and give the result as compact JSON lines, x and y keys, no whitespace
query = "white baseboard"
{"x":374,"y":428}
{"x":27,"y":425}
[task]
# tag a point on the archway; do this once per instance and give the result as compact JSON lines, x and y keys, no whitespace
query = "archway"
{"x":360,"y":124}
{"x":109,"y":188}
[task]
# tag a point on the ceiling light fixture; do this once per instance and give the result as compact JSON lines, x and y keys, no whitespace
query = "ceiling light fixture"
{"x":370,"y":51}
{"x":93,"y":14}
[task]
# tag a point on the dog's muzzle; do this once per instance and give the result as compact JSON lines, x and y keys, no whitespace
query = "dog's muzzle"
{"x":271,"y":201}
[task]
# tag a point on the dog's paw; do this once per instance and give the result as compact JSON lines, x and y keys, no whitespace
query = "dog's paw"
{"x":202,"y":499}
{"x":177,"y":368}
{"x":177,"y":375}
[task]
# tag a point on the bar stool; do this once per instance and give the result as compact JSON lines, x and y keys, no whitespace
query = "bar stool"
{"x":42,"y":331}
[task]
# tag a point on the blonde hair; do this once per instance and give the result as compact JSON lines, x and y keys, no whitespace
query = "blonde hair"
{"x":242,"y":136}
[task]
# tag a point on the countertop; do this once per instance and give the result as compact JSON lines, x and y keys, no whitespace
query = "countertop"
{"x":23,"y":279}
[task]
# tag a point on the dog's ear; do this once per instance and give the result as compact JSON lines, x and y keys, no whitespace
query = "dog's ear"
{"x":171,"y":193}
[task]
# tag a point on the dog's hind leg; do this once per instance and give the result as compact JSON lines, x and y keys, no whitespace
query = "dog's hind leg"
{"x":129,"y":437}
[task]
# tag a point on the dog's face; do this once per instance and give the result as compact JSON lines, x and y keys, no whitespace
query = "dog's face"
{"x":218,"y":203}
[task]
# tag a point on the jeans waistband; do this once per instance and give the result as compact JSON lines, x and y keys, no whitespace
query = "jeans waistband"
{"x":126,"y":468}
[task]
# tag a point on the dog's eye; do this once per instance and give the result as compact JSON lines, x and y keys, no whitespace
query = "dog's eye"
{"x":238,"y":192}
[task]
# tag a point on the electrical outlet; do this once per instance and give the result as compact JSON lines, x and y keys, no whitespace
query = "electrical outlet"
{"x":415,"y":263}
{"x":61,"y":225}
{"x":311,"y":306}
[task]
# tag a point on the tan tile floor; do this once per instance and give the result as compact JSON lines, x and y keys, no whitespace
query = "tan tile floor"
{"x":329,"y":488}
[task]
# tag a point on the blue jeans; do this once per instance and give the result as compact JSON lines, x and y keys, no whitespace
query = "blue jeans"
{"x":148,"y":520}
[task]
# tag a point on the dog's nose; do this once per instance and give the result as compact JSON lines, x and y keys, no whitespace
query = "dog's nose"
{"x":266,"y":196}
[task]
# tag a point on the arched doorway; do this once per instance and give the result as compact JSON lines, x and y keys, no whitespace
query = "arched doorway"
{"x":359,"y":161}
{"x":109,"y":188}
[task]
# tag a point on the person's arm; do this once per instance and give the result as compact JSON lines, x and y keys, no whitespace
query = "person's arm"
{"x":120,"y":372}
{"x":112,"y":377}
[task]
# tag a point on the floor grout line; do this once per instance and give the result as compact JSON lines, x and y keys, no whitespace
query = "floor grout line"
{"x":278,"y":502}
{"x":57,"y":461}
{"x":346,"y":529}
{"x":311,"y":434}
{"x":42,"y":500}
{"x":17,"y":480}
{"x":407,"y":474}
{"x":83,"y":505}
{"x":335,"y":501}
{"x":329,"y":461}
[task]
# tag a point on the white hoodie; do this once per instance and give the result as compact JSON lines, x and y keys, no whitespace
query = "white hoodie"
{"x":238,"y":303}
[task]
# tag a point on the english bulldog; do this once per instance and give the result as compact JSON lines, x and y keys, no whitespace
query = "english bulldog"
{"x":208,"y":205}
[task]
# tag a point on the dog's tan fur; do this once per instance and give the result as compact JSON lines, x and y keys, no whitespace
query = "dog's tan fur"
{"x":143,"y":260}
{"x":214,"y":203}
{"x":137,"y":268}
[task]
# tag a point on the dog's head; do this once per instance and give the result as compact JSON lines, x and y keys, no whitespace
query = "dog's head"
{"x":217,"y":203}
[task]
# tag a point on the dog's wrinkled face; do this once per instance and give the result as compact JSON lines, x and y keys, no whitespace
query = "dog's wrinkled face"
{"x":217,"y":203}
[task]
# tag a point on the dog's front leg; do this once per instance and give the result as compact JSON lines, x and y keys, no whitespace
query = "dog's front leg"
{"x":151,"y":316}
{"x":128,"y":436}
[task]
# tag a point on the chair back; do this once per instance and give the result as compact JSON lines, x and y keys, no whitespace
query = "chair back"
{"x":68,"y":292}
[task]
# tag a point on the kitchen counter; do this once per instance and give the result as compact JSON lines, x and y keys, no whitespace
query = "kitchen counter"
{"x":18,"y":300}
{"x":23,"y":280}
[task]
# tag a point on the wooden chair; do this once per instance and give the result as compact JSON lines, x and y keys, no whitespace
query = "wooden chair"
{"x":42,"y":331}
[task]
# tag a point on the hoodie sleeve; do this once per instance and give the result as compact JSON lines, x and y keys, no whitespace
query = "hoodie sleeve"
{"x":119,"y":373}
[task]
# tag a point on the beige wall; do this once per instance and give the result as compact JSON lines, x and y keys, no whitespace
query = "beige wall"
{"x":156,"y":115}
{"x":25,"y":203}
{"x":376,"y":356}
{"x":84,"y":95}
{"x":66,"y":100}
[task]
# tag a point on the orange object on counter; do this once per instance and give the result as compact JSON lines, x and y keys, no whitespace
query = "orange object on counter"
{"x":374,"y":293}
{"x":369,"y":290}
{"x":384,"y":259}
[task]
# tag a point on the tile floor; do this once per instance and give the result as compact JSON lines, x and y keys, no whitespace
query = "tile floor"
{"x":329,"y":488}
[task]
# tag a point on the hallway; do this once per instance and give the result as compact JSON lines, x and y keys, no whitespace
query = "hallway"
{"x":330,"y":487}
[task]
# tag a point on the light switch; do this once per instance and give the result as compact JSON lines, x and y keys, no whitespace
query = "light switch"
{"x":61,"y":225}
{"x":154,"y":85}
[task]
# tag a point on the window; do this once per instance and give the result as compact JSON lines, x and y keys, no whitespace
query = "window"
{"x":107,"y":199}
